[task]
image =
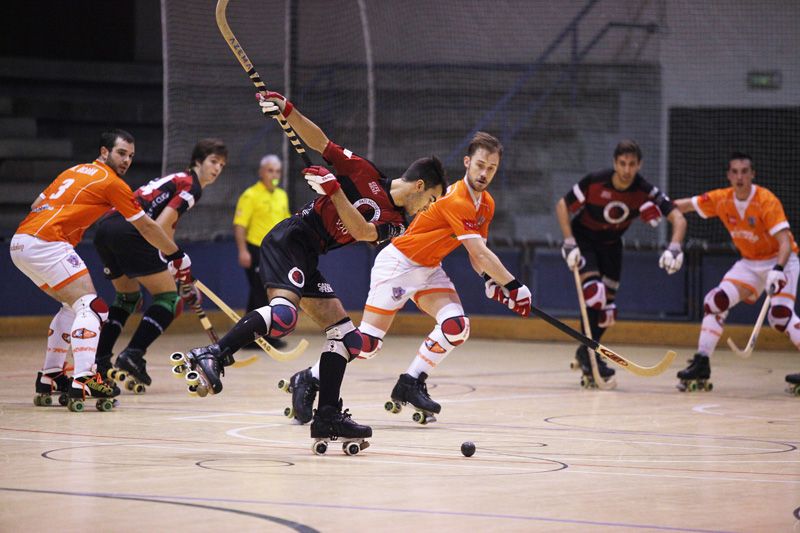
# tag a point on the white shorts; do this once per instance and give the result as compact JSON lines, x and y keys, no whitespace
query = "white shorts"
{"x":395,"y":278}
{"x":50,"y":265}
{"x":752,"y":275}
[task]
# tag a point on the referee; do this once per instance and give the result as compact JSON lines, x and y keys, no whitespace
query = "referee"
{"x":259,"y":208}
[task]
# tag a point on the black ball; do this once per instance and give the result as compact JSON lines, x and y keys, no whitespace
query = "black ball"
{"x":468,"y":449}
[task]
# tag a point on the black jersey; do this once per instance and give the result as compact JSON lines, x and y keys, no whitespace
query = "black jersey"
{"x":605,"y":213}
{"x":180,"y":191}
{"x":366,"y":188}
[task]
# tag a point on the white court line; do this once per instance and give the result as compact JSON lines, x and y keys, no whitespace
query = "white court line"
{"x":706,"y":410}
{"x":572,"y":470}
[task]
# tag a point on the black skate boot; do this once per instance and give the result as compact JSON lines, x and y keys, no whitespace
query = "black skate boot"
{"x":587,"y":379}
{"x":49,"y":383}
{"x":695,"y":376}
{"x":106,"y":369}
{"x":794,"y":384}
{"x":303,"y":387}
{"x":207,"y":365}
{"x":330,"y":423}
{"x":131,"y":362}
{"x":414,"y":391}
{"x":91,"y":387}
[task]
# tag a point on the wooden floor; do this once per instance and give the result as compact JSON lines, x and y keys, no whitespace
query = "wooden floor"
{"x":550,"y":455}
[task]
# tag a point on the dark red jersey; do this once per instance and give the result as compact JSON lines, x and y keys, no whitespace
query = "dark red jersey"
{"x":366,"y":188}
{"x":605,"y":213}
{"x":180,"y":191}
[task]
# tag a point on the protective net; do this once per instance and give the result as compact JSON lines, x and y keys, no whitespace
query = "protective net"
{"x":560,"y":83}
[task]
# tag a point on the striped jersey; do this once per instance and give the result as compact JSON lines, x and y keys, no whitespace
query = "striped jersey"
{"x":180,"y":191}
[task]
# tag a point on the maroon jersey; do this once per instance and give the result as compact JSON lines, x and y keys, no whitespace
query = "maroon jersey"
{"x":180,"y":191}
{"x":366,"y":188}
{"x":605,"y":213}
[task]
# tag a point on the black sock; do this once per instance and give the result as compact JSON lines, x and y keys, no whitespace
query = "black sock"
{"x":331,"y":374}
{"x":117,"y":317}
{"x":155,"y":321}
{"x":594,"y":319}
{"x":248,"y":329}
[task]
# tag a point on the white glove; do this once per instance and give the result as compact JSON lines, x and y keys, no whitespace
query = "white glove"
{"x":672,"y":258}
{"x":776,"y":280}
{"x":571,"y":253}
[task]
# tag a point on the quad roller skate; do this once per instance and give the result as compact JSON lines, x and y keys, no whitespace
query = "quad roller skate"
{"x":793,"y":386}
{"x":585,"y":365}
{"x":91,"y":387}
{"x":202,"y":368}
{"x":330,"y":424}
{"x":414,"y":391}
{"x":109,"y":371}
{"x":695,"y":376}
{"x":303,"y":388}
{"x":131,"y":368}
{"x":51,"y":382}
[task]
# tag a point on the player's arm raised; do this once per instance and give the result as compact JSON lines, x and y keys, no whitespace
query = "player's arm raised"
{"x":309,"y":133}
{"x":322,"y":181}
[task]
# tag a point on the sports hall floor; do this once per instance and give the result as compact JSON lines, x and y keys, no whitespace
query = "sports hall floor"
{"x":551,"y":456}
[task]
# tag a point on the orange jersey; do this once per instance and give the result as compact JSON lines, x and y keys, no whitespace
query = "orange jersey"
{"x":75,"y":200}
{"x":753,"y":231}
{"x":439,"y":230}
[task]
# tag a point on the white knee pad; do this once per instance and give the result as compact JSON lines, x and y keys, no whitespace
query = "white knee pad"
{"x":720,"y":299}
{"x":91,"y":303}
{"x":594,"y":294}
{"x":373,"y":340}
{"x":781,"y":314}
{"x":608,"y":316}
{"x":453,"y":323}
{"x":344,"y":339}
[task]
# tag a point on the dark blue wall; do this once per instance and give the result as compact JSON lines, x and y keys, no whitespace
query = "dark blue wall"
{"x":646,"y":291}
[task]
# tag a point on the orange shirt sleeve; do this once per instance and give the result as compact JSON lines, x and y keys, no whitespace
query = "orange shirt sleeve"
{"x":120,"y":196}
{"x":774,"y":216}
{"x":460,"y":216}
{"x":706,"y":204}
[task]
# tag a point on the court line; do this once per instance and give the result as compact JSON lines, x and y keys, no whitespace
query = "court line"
{"x":705,"y":409}
{"x":529,"y":518}
{"x":281,"y":521}
{"x":704,"y":478}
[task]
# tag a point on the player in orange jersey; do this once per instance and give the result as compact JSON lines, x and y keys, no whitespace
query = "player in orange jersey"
{"x":43,"y":249}
{"x":755,"y":219}
{"x":410,"y":268}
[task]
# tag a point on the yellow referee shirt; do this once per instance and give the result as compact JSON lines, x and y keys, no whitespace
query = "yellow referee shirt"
{"x":258,"y":210}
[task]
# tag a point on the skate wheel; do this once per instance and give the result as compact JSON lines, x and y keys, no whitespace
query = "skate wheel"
{"x":319,"y":448}
{"x":587,"y":382}
{"x":104,"y":405}
{"x":76,"y":406}
{"x":129,"y":385}
{"x":288,"y":412}
{"x":351,"y":448}
{"x":179,"y":371}
{"x":193,"y":378}
{"x":709,"y":386}
{"x":796,"y":390}
{"x":574,"y":365}
{"x":364,"y":445}
{"x":47,"y":400}
{"x":693,"y":386}
{"x":419,"y":418}
{"x":192,"y":389}
{"x":37,"y":401}
{"x":62,"y":399}
{"x":283,"y":385}
{"x":138,"y":388}
{"x":393,"y":407}
{"x":177,"y":358}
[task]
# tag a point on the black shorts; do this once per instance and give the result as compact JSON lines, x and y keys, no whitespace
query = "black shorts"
{"x":290,"y":258}
{"x":124,"y":251}
{"x":603,"y":257}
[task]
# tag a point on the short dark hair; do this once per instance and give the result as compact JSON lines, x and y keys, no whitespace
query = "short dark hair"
{"x":207,"y":147}
{"x":628,"y":146}
{"x":740,"y":155}
{"x":486,"y":141}
{"x":109,"y":138}
{"x":429,"y":170}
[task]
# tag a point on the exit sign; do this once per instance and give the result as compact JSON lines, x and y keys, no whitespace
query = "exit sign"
{"x":764,"y":79}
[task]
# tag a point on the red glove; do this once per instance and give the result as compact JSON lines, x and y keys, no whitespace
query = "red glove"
{"x":494,"y":291}
{"x":179,"y":265}
{"x":650,"y":213}
{"x":519,"y":297}
{"x":274,"y":104}
{"x":321,"y":180}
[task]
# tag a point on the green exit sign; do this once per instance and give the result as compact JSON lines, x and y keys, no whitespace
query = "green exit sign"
{"x":764,"y":79}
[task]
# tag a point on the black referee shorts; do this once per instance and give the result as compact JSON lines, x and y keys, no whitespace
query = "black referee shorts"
{"x":124,"y":251}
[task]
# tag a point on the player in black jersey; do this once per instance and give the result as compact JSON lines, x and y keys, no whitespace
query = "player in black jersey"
{"x":605,"y":204}
{"x":129,"y":261}
{"x":290,"y":252}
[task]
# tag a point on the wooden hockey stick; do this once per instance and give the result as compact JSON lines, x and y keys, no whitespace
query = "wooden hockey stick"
{"x":247,"y":65}
{"x":602,"y":384}
{"x":608,"y":353}
{"x":751,"y":344}
{"x":264,"y":345}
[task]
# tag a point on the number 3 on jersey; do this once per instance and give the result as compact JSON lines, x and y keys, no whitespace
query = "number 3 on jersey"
{"x":64,"y":186}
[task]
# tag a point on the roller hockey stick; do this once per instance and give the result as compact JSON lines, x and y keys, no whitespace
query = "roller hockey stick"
{"x":201,"y":314}
{"x":247,"y":65}
{"x":748,"y":349}
{"x":608,"y":353}
{"x":601,"y":383}
{"x":264,"y":345}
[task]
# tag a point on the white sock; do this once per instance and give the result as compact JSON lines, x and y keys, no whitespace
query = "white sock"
{"x":315,"y":370}
{"x":58,"y":339}
{"x":431,"y":353}
{"x":710,"y":333}
{"x":85,"y":334}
